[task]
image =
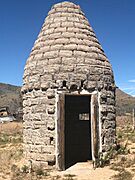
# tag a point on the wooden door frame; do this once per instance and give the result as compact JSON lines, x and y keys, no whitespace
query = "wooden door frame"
{"x":95,"y":126}
{"x":60,"y":127}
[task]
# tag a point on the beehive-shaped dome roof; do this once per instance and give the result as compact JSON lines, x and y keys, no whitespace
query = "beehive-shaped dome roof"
{"x":68,"y":51}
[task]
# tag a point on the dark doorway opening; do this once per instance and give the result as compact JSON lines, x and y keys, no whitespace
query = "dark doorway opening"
{"x":77,"y":129}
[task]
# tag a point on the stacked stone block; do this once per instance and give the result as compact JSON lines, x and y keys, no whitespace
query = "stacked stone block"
{"x":67,"y":55}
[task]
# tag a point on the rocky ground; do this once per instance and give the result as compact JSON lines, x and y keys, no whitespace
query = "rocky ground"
{"x":12,"y":166}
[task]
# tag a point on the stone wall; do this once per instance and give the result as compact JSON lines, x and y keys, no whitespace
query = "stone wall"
{"x":39,"y":127}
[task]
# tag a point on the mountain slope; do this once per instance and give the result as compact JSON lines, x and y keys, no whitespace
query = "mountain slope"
{"x":124,"y":102}
{"x":10,"y":96}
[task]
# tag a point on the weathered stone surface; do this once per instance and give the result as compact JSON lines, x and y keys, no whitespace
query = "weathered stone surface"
{"x":109,"y":124}
{"x":52,"y":54}
{"x":50,"y":109}
{"x":65,"y":53}
{"x":50,"y":93}
{"x":48,"y":149}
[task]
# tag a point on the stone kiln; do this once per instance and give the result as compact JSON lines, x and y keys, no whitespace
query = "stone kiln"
{"x":68,"y":92}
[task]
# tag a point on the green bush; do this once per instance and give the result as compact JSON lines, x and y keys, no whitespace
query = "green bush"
{"x":25,"y":169}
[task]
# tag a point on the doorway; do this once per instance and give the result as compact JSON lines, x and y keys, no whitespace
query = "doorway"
{"x":73,"y":129}
{"x":77,"y":129}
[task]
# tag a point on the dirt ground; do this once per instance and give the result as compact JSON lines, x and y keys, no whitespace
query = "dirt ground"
{"x":85,"y":171}
{"x":12,"y":166}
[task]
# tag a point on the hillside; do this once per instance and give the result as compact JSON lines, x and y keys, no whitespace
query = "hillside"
{"x":124,"y":102}
{"x":10,"y":96}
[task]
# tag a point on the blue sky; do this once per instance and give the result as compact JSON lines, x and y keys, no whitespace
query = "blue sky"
{"x":112,"y":20}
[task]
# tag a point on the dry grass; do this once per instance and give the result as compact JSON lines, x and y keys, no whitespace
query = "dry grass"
{"x":12,"y":165}
{"x":11,"y":156}
{"x":10,"y":147}
{"x":11,"y":128}
{"x":125,"y":161}
{"x":123,"y":175}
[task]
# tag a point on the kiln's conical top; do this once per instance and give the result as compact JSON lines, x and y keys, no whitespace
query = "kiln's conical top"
{"x":66,"y":50}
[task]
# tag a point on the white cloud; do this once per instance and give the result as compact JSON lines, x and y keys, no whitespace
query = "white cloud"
{"x":132,"y":93}
{"x":132,"y":81}
{"x":129,"y":88}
